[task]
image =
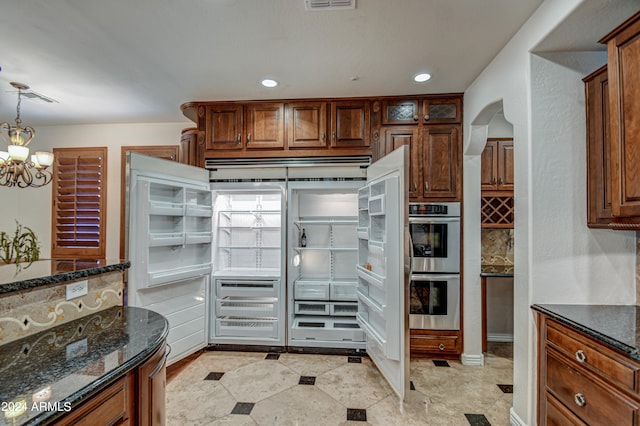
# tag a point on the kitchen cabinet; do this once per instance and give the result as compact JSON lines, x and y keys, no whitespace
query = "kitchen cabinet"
{"x":350,"y":123}
{"x":441,"y":110}
{"x":264,"y":125}
{"x":307,"y":124}
{"x":583,"y":381}
{"x":435,"y":171}
{"x":224,"y":126}
{"x":400,"y":111}
{"x":598,"y":149}
{"x":623,"y":47}
{"x":152,"y":381}
{"x":440,"y":174}
{"x":497,"y":165}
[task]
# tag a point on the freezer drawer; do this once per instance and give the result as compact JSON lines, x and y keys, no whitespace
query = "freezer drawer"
{"x":247,"y":307}
{"x":326,"y":308}
{"x":326,"y":328}
{"x":246,"y":288}
{"x":246,"y":327}
{"x":311,"y":290}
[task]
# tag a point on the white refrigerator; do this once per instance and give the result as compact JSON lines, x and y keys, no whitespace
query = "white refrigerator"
{"x":225,"y":261}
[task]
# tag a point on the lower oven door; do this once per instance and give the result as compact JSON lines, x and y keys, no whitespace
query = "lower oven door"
{"x":434,"y":302}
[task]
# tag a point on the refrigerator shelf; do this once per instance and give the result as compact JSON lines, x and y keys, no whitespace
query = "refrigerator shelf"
{"x":342,"y":309}
{"x":328,"y":221}
{"x":177,"y":274}
{"x":254,"y":228}
{"x":253,"y":247}
{"x":326,"y":248}
{"x":166,"y":209}
{"x":371,"y":277}
{"x":198,"y":237}
{"x":198,"y":210}
{"x":161,"y":239}
{"x":319,"y":328}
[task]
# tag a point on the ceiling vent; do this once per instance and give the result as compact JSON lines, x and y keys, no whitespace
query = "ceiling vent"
{"x":329,"y":4}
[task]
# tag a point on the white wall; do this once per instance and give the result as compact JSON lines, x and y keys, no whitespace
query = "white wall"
{"x":32,"y":207}
{"x":558,"y":260}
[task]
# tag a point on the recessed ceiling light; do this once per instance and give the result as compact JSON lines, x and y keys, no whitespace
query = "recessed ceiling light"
{"x":422,"y":77}
{"x":267,"y":82}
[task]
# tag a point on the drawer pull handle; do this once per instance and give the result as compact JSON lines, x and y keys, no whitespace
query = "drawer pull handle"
{"x":579,"y":400}
{"x":580,"y":356}
{"x":441,"y":346}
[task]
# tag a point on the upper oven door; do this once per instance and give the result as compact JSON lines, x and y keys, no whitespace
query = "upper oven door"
{"x":435,"y":244}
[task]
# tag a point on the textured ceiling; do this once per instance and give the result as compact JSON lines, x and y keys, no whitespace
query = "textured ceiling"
{"x":139,"y":60}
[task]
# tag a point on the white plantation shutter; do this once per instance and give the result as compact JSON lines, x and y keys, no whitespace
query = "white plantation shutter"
{"x":79,"y":203}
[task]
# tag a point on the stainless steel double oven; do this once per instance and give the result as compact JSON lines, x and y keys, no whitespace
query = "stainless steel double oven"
{"x":435,"y":266}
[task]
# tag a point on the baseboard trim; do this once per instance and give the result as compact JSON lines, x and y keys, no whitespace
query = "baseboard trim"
{"x":499,"y":337}
{"x":514,"y":419}
{"x":472,"y":359}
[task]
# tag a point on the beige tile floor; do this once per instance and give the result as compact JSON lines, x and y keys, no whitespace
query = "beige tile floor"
{"x":442,"y":395}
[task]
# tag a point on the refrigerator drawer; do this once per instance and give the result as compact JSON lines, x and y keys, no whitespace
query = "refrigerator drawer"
{"x":325,"y":328}
{"x":344,"y":309}
{"x":247,"y":288}
{"x":311,"y":290}
{"x":343,"y":291}
{"x":246,"y":327}
{"x":313,"y":308}
{"x":247,"y":307}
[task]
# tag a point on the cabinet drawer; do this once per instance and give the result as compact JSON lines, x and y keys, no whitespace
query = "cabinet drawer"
{"x":603,"y":361}
{"x":435,"y":343}
{"x":311,"y":290}
{"x":600,"y":404}
{"x":343,"y":291}
{"x":558,"y":414}
{"x":246,"y":327}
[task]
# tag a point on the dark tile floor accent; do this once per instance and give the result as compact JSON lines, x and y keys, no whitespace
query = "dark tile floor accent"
{"x":440,"y":363}
{"x":355,"y":359}
{"x":214,"y":376}
{"x":307,"y":380}
{"x":243,"y":408}
{"x":477,"y":420}
{"x":272,"y":356}
{"x":356,"y":414}
{"x":506,"y":388}
{"x":412,"y":386}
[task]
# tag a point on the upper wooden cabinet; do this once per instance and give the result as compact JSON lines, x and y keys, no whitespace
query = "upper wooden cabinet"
{"x":396,"y":137}
{"x":440,"y":159}
{"x":497,"y":165}
{"x":403,"y":111}
{"x":441,"y":110}
{"x":264,"y":125}
{"x":598,"y":149}
{"x":623,"y":47}
{"x":350,"y":123}
{"x":307,"y":125}
{"x":224,"y":126}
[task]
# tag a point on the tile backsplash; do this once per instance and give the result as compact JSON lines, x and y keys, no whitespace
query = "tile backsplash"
{"x":497,"y":246}
{"x":28,"y":312}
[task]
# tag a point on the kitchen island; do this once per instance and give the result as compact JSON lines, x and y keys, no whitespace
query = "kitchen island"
{"x":87,"y":368}
{"x":588,"y":364}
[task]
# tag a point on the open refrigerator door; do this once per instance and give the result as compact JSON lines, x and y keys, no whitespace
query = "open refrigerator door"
{"x":383,"y":267}
{"x":169,"y":245}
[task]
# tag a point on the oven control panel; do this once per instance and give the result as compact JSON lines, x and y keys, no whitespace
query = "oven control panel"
{"x":431,"y":209}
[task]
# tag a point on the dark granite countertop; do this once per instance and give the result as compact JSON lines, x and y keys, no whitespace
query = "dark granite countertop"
{"x":66,"y":364}
{"x":24,"y":276}
{"x":615,"y":325}
{"x":505,"y":271}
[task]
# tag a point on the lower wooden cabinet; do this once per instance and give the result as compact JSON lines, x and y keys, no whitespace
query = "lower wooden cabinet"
{"x":138,"y":398}
{"x":436,"y":343}
{"x":582,"y":381}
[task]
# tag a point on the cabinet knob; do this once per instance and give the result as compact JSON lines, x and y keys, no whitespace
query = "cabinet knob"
{"x":426,"y":117}
{"x":239,"y":138}
{"x":324,"y":136}
{"x":416,"y":118}
{"x":581,"y":356}
{"x":493,"y":181}
{"x":248,"y":138}
{"x":333,"y":135}
{"x":415,"y":187}
{"x":441,"y":346}
{"x":579,"y":400}
{"x":426,"y":187}
{"x":500,"y":180}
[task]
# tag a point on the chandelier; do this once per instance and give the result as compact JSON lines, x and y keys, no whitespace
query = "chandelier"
{"x":17,"y":168}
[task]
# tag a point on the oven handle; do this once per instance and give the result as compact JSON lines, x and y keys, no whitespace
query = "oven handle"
{"x":434,"y":219}
{"x":410,"y":254}
{"x":434,"y":277}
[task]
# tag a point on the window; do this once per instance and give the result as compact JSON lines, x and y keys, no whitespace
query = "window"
{"x":79,"y":219}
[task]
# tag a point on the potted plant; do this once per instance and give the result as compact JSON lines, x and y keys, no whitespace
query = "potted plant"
{"x":22,"y":247}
